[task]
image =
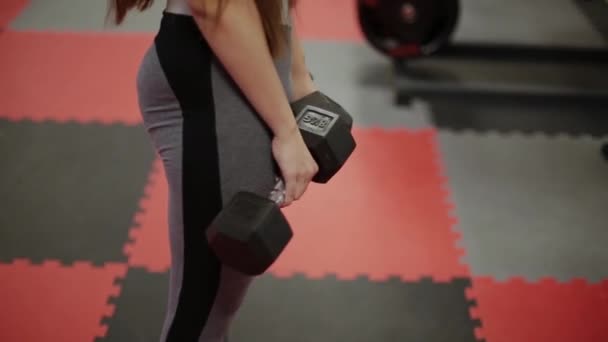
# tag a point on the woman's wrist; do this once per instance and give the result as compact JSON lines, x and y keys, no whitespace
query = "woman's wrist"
{"x":287,"y":130}
{"x":302,"y":84}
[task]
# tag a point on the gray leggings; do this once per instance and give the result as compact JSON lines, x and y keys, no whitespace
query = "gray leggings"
{"x":212,"y":144}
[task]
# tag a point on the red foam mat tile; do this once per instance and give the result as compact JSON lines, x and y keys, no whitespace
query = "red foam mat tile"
{"x":546,"y":310}
{"x":51,"y":302}
{"x":328,"y":20}
{"x":384,"y":215}
{"x":149,"y":247}
{"x":9,"y":9}
{"x":70,"y":77}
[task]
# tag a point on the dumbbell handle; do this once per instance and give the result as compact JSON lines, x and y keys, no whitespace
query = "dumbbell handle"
{"x":277,"y":195}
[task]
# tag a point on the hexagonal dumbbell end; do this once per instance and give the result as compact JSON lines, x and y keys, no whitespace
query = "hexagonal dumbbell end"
{"x":249,"y":234}
{"x":328,"y":138}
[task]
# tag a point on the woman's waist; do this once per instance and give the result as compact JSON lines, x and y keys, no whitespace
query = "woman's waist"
{"x":178,"y":7}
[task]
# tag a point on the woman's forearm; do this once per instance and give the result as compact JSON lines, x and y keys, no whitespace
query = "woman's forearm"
{"x":301,"y":80}
{"x":238,"y":40}
{"x":302,"y":85}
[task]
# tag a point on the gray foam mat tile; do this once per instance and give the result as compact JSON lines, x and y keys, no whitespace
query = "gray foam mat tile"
{"x":376,"y":108}
{"x":347,"y":63}
{"x":362,"y":82}
{"x":83,"y":15}
{"x":301,"y":309}
{"x":529,"y":205}
{"x":70,"y":191}
{"x":544,"y":22}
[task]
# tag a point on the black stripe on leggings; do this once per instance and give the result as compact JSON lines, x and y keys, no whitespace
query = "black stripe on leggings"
{"x":186,"y":60}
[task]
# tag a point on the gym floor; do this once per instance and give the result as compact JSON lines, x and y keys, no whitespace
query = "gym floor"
{"x":455,"y":220}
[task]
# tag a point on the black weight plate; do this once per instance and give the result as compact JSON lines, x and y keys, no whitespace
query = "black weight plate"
{"x":390,"y":17}
{"x":408,"y":28}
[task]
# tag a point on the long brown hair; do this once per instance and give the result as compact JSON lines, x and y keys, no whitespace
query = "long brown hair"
{"x":270,"y":10}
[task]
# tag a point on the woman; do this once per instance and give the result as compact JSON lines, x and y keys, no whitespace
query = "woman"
{"x":214,"y":91}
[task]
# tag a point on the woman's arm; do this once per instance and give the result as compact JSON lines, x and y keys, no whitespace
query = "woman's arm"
{"x":238,"y":39}
{"x":302,"y":83}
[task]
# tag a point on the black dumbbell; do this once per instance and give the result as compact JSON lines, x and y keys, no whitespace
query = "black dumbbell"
{"x":326,"y":129}
{"x":251,"y":232}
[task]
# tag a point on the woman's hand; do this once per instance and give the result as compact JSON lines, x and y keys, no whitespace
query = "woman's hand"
{"x":295,"y":162}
